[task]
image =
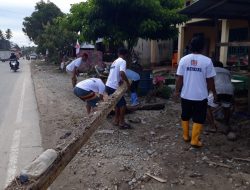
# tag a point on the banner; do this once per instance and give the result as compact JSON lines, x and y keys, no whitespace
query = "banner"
{"x":77,"y":47}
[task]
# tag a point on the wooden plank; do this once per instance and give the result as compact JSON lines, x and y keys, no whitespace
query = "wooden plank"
{"x":68,"y":153}
{"x":249,"y":90}
{"x":216,"y":48}
{"x":242,"y":159}
{"x":248,"y":39}
{"x":235,"y":44}
{"x":152,"y":106}
{"x":248,"y":67}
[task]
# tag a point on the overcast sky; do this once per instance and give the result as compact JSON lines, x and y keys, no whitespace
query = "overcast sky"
{"x":12,"y":13}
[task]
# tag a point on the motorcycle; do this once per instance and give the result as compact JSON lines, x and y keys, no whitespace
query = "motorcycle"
{"x":14,"y":65}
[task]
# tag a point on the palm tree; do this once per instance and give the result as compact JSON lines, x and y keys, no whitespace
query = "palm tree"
{"x":1,"y":35}
{"x":8,"y":34}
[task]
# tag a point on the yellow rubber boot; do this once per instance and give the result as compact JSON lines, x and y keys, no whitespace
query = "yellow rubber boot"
{"x":185,"y":127}
{"x":196,"y":131}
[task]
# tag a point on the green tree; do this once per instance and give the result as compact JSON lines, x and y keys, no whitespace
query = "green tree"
{"x":35,"y":24}
{"x":14,"y":45}
{"x":128,"y":20}
{"x":57,"y":37}
{"x":77,"y":19}
{"x":8,"y":34}
{"x":28,"y":50}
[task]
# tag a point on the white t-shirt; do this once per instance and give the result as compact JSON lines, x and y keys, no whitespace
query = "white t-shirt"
{"x":195,"y":69}
{"x":222,"y":81}
{"x":114,"y":74}
{"x":92,"y":84}
{"x":75,"y":63}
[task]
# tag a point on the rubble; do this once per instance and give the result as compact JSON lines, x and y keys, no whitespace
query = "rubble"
{"x":155,"y":145}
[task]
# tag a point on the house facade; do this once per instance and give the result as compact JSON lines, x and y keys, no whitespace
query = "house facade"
{"x":154,"y":52}
{"x":216,"y":31}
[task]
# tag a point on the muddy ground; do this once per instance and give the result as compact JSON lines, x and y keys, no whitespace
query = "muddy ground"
{"x":119,"y":159}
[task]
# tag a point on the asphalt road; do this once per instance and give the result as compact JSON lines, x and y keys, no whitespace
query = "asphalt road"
{"x":20,"y":139}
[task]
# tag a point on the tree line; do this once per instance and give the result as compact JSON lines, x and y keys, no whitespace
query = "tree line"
{"x":4,"y":39}
{"x":115,"y":21}
{"x":7,"y":35}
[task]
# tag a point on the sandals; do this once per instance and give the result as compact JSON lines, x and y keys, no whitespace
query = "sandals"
{"x":125,"y":126}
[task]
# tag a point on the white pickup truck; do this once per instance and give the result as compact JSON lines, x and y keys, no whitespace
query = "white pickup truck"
{"x":4,"y":55}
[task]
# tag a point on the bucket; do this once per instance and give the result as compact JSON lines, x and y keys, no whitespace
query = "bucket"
{"x":242,"y":85}
{"x":146,"y":82}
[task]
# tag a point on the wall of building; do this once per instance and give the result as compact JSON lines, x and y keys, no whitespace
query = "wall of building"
{"x":143,"y":50}
{"x":238,"y":24}
{"x":209,"y":34}
{"x":4,"y":44}
{"x":163,"y":51}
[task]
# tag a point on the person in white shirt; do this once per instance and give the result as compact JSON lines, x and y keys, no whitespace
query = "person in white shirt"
{"x":88,"y":90}
{"x":135,"y":78}
{"x":194,"y":78}
{"x":72,"y":67}
{"x":225,"y":91}
{"x":116,"y":76}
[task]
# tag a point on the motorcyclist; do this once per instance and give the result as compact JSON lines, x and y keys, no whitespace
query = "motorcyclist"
{"x":13,"y":57}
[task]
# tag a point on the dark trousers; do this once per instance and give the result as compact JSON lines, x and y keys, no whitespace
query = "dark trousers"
{"x":121,"y":102}
{"x":196,"y":110}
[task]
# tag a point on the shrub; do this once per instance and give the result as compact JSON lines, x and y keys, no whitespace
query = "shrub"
{"x":164,"y":92}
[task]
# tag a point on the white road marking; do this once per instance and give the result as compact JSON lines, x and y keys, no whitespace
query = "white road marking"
{"x":15,"y":146}
{"x":14,"y":151}
{"x":20,"y":107}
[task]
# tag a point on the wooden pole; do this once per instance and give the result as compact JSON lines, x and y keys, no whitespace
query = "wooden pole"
{"x":248,"y":68}
{"x":216,"y":52}
{"x":153,"y":53}
{"x":150,"y":106}
{"x":248,"y":37}
{"x":68,"y":153}
{"x":235,"y":44}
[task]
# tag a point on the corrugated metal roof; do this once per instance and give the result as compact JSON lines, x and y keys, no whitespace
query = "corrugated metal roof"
{"x":221,"y":9}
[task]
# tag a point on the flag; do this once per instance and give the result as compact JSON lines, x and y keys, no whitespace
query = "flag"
{"x":77,"y":47}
